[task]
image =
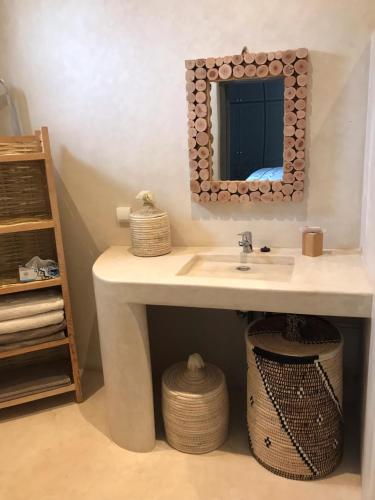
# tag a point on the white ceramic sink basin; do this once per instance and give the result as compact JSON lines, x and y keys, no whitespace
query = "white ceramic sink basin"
{"x":257,"y":267}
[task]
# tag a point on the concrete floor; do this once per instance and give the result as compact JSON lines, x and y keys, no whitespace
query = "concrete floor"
{"x":58,"y":450}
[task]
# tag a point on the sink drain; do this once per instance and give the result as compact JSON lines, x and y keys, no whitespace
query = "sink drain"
{"x":243,"y":268}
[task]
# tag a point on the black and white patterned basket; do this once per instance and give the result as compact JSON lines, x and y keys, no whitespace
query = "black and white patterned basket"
{"x":294,"y":395}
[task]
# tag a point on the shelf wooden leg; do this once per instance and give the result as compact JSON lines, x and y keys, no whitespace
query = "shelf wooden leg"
{"x":78,"y":396}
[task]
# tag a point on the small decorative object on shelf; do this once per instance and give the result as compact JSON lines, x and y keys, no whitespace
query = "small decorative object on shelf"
{"x":294,"y":393}
{"x":38,"y":269}
{"x":195,"y":406}
{"x":149,"y":228}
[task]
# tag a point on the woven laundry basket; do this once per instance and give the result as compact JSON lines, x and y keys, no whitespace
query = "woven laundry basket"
{"x":195,"y":406}
{"x":150,"y":230}
{"x":294,"y":395}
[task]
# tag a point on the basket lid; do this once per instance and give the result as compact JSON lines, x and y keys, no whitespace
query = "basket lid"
{"x":148,"y":210}
{"x":193,"y":377}
{"x":294,"y":335}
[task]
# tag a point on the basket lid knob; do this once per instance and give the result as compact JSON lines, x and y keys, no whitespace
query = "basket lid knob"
{"x":146,"y":197}
{"x":195,"y":362}
{"x":294,"y":327}
{"x":148,"y":210}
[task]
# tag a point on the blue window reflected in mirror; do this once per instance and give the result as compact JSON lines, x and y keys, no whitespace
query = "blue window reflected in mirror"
{"x":250,"y":126}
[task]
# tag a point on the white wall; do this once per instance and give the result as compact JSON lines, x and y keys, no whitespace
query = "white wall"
{"x":107,"y":78}
{"x":368,"y":208}
{"x":368,"y":244}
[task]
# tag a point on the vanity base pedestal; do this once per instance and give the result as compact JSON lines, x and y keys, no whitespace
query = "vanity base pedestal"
{"x":127,"y":371}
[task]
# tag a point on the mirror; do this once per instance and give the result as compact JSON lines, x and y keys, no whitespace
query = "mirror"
{"x":248,"y":129}
{"x":246,"y":126}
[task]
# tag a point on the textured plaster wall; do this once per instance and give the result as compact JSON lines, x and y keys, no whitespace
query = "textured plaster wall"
{"x":368,"y":244}
{"x":107,"y":78}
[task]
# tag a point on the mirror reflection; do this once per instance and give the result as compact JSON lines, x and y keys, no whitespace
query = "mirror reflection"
{"x":248,"y":129}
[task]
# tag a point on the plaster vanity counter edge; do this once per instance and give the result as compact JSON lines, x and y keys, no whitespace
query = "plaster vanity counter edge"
{"x":339,"y":276}
{"x":333,"y":284}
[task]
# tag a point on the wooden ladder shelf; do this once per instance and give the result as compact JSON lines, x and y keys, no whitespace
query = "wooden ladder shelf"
{"x":15,"y":152}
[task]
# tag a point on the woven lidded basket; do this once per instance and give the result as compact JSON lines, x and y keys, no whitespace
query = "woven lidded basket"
{"x":294,"y":395}
{"x":150,"y":230}
{"x":195,"y":406}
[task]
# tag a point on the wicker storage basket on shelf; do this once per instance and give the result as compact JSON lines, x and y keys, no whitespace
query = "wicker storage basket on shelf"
{"x":149,"y":229}
{"x":195,"y":406}
{"x":23,"y":192}
{"x":294,"y":395}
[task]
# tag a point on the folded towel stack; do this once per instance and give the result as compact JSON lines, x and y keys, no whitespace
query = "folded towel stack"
{"x":31,"y":318}
{"x":34,"y":372}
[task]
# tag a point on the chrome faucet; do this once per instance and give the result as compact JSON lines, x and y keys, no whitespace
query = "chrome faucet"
{"x":246,"y":242}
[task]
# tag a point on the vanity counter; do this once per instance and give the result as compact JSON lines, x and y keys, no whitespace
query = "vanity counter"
{"x":333,"y":284}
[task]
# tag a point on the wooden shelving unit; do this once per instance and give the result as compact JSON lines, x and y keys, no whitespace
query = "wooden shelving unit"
{"x":32,"y":230}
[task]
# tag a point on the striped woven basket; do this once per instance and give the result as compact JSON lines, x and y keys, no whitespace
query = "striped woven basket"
{"x":195,"y":406}
{"x":150,"y":231}
{"x":294,"y":395}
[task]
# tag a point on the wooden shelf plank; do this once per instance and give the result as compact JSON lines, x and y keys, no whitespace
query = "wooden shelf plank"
{"x":22,"y":157}
{"x":32,"y":285}
{"x":9,"y":139}
{"x":18,"y":227}
{"x":32,"y":348}
{"x":38,"y":395}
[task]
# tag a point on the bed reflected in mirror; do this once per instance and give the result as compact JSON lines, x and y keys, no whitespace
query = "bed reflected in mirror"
{"x":248,"y":129}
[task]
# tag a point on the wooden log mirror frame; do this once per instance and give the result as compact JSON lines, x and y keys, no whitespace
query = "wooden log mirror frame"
{"x":293,"y":66}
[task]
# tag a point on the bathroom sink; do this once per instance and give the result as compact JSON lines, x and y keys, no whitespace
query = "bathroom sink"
{"x":255,"y":267}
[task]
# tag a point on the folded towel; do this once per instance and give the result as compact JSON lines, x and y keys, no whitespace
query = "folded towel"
{"x":20,"y":305}
{"x":23,"y":382}
{"x":30,"y":322}
{"x":26,"y":343}
{"x":33,"y":387}
{"x":36,"y":333}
